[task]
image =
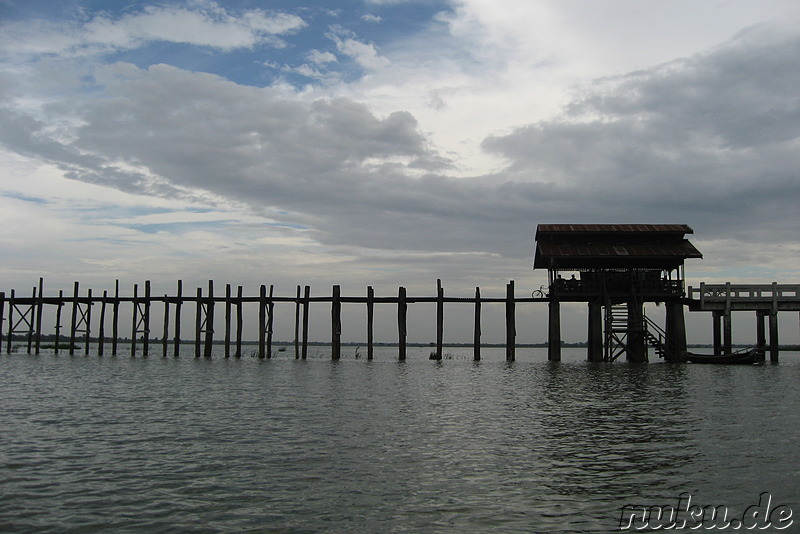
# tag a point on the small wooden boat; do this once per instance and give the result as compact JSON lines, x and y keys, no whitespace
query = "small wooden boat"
{"x":750,"y":356}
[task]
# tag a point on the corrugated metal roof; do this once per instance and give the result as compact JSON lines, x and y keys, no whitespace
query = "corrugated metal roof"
{"x":614,"y":228}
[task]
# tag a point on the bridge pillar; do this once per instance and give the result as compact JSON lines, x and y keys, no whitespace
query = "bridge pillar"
{"x":676,"y":332}
{"x":594,"y":351}
{"x":636,"y":347}
{"x":727,"y":331}
{"x":717,"y":331}
{"x":554,"y":331}
{"x":773,"y":336}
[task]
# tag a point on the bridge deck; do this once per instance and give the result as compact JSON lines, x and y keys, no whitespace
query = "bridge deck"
{"x":744,"y":297}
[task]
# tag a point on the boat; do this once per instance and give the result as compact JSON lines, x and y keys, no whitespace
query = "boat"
{"x":751,"y":356}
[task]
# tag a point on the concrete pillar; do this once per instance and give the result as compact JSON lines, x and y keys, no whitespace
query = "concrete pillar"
{"x":676,"y":332}
{"x":554,"y":331}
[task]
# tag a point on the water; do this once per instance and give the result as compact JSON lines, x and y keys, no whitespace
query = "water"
{"x":120,"y":444}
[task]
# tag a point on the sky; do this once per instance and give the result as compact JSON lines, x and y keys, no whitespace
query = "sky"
{"x":390,"y":142}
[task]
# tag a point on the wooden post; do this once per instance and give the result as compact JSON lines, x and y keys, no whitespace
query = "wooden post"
{"x":262,"y":320}
{"x":761,"y":336}
{"x":727,"y":332}
{"x":209,"y":341}
{"x":270,"y":310}
{"x":511,"y":326}
{"x":198,"y":324}
{"x":2,"y":306}
{"x":115,"y":319}
{"x":306,"y":303}
{"x":476,"y":338}
{"x":58,"y":318}
{"x":370,"y":318}
{"x":88,"y":319}
{"x":165,"y":331}
{"x":336,"y":323}
{"x":39,"y":306}
{"x":146,"y":317}
{"x":74,"y":318}
{"x":176,"y":347}
{"x":10,"y":322}
{"x":554,"y":330}
{"x":297,"y":324}
{"x":135,"y":318}
{"x":227,"y":320}
{"x":402,"y":309}
{"x":439,"y":318}
{"x":594,"y":351}
{"x":102,"y":331}
{"x":239,"y":322}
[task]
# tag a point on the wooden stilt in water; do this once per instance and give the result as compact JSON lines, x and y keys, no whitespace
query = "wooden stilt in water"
{"x":58,"y":318}
{"x":10,"y":322}
{"x":336,"y":323}
{"x":370,"y":319}
{"x":270,"y":311}
{"x":716,"y":317}
{"x":511,"y":323}
{"x":402,"y":310}
{"x":87,"y":322}
{"x":30,"y":317}
{"x":165,"y":330}
{"x":115,"y":319}
{"x":209,"y":341}
{"x":102,"y":330}
{"x":146,"y":320}
{"x":2,"y":306}
{"x":476,"y":335}
{"x":198,"y":324}
{"x":74,"y":319}
{"x":39,"y":306}
{"x":297,"y":325}
{"x":262,"y":321}
{"x":239,"y":322}
{"x":227,"y":320}
{"x":176,"y":346}
{"x":135,"y":318}
{"x":594,"y":350}
{"x":306,"y":303}
{"x":554,"y":330}
{"x":439,"y":318}
{"x":773,"y":336}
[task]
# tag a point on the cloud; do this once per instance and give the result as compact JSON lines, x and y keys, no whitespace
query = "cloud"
{"x":365,"y":54}
{"x":208,"y":25}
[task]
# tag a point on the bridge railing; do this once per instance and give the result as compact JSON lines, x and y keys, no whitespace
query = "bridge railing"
{"x":773,"y":292}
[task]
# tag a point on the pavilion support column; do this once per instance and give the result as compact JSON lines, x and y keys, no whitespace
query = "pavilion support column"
{"x":676,"y":332}
{"x":636,"y":349}
{"x":773,"y":336}
{"x":594,"y":351}
{"x":717,"y":331}
{"x":554,"y":331}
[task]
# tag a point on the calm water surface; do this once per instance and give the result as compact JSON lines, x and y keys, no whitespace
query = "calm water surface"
{"x":121,"y":444}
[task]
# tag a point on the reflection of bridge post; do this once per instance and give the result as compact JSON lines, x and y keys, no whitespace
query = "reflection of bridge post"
{"x":676,"y":332}
{"x":594,"y":351}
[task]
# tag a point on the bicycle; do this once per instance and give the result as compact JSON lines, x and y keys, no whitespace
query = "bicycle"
{"x":539,"y":293}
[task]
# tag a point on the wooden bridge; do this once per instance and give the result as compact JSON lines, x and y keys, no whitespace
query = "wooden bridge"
{"x":766,"y":300}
